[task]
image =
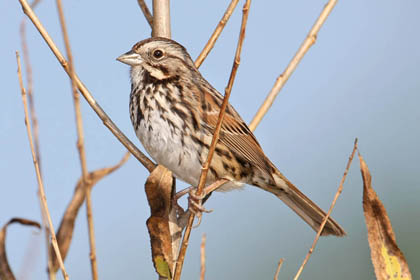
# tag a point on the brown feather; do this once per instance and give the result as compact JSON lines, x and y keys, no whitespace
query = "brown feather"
{"x":237,"y":137}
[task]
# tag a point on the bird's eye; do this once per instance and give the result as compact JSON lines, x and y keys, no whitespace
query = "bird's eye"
{"x":157,"y":54}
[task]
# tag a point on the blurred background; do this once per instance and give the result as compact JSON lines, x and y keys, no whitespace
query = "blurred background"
{"x":360,"y":79}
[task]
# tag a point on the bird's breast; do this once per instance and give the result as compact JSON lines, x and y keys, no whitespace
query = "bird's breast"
{"x":165,"y":136}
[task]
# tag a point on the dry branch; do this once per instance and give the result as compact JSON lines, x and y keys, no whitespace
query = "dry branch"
{"x":80,"y":142}
{"x":206,"y":165}
{"x":65,"y":231}
{"x":161,"y":19}
{"x":144,"y":160}
{"x":387,"y":259}
{"x":34,"y":123}
{"x":29,"y":85}
{"x":5,"y":270}
{"x":38,"y":173}
{"x":282,"y":79}
{"x":203,"y":257}
{"x":337,"y":194}
{"x":216,"y":33}
{"x":146,"y":12}
{"x":276,"y":275}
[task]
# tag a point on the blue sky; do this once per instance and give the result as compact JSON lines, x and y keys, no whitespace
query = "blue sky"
{"x":359,"y":80}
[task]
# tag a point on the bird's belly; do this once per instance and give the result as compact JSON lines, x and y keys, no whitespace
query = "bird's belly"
{"x":177,"y":152}
{"x":168,"y":147}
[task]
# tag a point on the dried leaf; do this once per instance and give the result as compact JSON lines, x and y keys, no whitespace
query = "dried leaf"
{"x":5,"y":270}
{"x":387,"y":258}
{"x":159,"y":187}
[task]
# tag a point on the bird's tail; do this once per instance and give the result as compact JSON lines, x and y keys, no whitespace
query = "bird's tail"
{"x":303,"y":206}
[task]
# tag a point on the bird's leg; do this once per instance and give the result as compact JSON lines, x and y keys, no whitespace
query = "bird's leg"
{"x":183,"y":192}
{"x":206,"y":190}
{"x":195,"y":202}
{"x":195,"y":206}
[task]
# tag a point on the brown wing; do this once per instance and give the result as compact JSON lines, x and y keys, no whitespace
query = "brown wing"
{"x":235,"y":134}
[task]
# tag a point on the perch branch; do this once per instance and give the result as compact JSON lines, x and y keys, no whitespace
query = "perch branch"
{"x":206,"y":165}
{"x":144,"y":160}
{"x":80,"y":142}
{"x":340,"y":189}
{"x":282,"y":79}
{"x":38,"y":173}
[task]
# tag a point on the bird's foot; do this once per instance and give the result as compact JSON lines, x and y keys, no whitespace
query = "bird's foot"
{"x":195,"y":201}
{"x":195,"y":205}
{"x":183,"y":192}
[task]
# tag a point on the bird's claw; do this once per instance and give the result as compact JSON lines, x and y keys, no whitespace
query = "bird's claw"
{"x":193,"y":194}
{"x":183,"y":192}
{"x":196,"y":207}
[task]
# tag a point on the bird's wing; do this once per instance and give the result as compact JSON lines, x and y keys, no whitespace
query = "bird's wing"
{"x":235,"y":134}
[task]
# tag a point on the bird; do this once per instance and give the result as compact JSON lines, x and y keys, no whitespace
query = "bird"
{"x":174,"y":111}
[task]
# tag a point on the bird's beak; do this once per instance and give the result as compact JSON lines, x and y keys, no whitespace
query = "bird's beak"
{"x":131,"y":58}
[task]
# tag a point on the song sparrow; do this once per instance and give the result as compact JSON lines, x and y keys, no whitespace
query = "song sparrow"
{"x":174,"y":111}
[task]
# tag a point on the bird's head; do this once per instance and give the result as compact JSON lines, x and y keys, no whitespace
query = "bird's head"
{"x":162,"y":58}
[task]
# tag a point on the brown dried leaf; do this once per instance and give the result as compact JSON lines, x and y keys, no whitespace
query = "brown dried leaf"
{"x":65,"y":231}
{"x":5,"y":270}
{"x":159,"y":187}
{"x":387,"y":258}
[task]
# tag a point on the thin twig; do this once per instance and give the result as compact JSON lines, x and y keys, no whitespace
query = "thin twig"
{"x":206,"y":165}
{"x":144,"y":160}
{"x":35,"y":127}
{"x":29,"y":85}
{"x":80,"y":142}
{"x":216,"y":33}
{"x":282,"y":79}
{"x":146,"y":12}
{"x":203,"y":257}
{"x":324,"y":221}
{"x":228,"y":90}
{"x":37,"y":171}
{"x":276,"y":275}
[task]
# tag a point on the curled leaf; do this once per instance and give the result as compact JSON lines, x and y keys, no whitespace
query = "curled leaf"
{"x":159,"y":187}
{"x":5,"y":270}
{"x":388,"y":260}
